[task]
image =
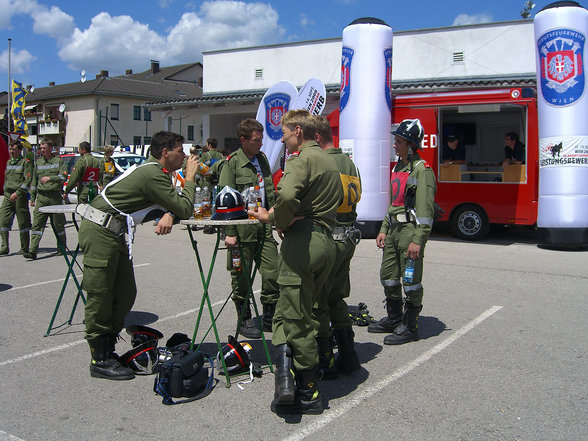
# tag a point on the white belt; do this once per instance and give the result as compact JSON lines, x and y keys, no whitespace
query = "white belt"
{"x":99,"y":217}
{"x":399,"y":218}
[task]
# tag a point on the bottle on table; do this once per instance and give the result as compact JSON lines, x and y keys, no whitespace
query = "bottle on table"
{"x":198,"y":203}
{"x":251,"y":201}
{"x":206,"y":204}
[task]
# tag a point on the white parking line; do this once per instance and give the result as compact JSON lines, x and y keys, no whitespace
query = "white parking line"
{"x":78,"y":342}
{"x":59,"y":280}
{"x":8,"y":437}
{"x":396,"y":375}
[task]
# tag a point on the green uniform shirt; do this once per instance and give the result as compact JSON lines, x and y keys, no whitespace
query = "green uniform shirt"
{"x":212,"y":154}
{"x":53,"y":168}
{"x":107,"y":171}
{"x":239,"y":173}
{"x":311,"y":187}
{"x":79,"y":171}
{"x":147,"y":185}
{"x":423,"y":178}
{"x":18,"y":176}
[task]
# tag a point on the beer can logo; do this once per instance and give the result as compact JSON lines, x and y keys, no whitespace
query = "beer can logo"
{"x":561,"y":66}
{"x":276,"y":105}
{"x":388,"y":87}
{"x":346,"y":59}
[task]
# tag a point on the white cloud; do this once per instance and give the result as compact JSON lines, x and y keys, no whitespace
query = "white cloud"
{"x":20,"y":61}
{"x":53,"y":22}
{"x":305,"y":21}
{"x":465,"y":19}
{"x":112,"y":43}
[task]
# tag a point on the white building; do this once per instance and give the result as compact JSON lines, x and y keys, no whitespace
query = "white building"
{"x":452,"y":58}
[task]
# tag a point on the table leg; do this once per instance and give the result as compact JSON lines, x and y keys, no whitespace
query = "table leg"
{"x":70,"y":261}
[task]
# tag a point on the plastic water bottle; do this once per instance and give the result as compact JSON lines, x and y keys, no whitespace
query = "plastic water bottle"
{"x":236,"y":258}
{"x":251,"y":201}
{"x":258,"y":198}
{"x":409,"y":271}
{"x":198,"y":204}
{"x":206,"y":205}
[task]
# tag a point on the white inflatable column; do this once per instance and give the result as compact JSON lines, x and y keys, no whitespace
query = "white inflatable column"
{"x":560,"y":33}
{"x":365,"y":113}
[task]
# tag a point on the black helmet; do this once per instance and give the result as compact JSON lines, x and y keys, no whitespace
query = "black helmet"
{"x":143,"y":358}
{"x":235,"y":355}
{"x":229,"y":205}
{"x":141,"y":334}
{"x":411,"y":130}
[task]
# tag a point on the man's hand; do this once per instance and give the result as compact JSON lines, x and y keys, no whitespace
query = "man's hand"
{"x":230,"y":241}
{"x":191,"y":168}
{"x":13,"y":197}
{"x":44,"y":179}
{"x":64,"y":197}
{"x":164,"y":226}
{"x":261,"y":214}
{"x":380,"y":240}
{"x":414,"y":251}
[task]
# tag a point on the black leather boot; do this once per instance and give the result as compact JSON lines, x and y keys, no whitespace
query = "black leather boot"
{"x":326,"y":369}
{"x":408,"y":331}
{"x":392,"y":320}
{"x":347,"y":361}
{"x":248,"y":328}
{"x":308,"y":392}
{"x":285,"y":390}
{"x":103,"y":365}
{"x":268,"y":316}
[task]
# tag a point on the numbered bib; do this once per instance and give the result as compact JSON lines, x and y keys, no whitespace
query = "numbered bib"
{"x":109,"y":167}
{"x":91,"y":175}
{"x":351,"y":193}
{"x":398,"y":188}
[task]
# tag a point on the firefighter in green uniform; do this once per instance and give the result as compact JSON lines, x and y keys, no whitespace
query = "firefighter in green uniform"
{"x":403,"y":235}
{"x":211,"y":155}
{"x":305,"y":214}
{"x":108,"y":169}
{"x":249,"y":167}
{"x":16,"y":183}
{"x":140,"y":195}
{"x":49,"y":175}
{"x":331,"y":310}
{"x":85,"y":175}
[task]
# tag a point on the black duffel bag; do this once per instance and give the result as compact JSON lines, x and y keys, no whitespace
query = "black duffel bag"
{"x":184,"y":375}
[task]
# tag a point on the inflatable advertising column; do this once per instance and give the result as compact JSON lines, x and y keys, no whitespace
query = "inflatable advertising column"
{"x":560,"y":33}
{"x":365,"y":114}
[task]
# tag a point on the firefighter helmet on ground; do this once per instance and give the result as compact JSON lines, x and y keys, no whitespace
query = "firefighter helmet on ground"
{"x":229,"y":205}
{"x":143,"y":359}
{"x":235,"y":355}
{"x":141,"y":334}
{"x":411,"y":130}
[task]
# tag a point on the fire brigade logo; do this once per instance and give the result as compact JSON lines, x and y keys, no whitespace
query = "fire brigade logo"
{"x":346,"y":60}
{"x":276,"y":105}
{"x":388,"y":88}
{"x":562,"y":66}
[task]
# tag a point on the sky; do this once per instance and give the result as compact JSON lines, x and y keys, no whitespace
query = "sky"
{"x":56,"y":40}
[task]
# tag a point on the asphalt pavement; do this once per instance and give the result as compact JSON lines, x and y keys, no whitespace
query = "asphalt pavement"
{"x":502,"y":354}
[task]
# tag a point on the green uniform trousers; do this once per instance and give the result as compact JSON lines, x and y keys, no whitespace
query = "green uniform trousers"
{"x":40,"y":220}
{"x":306,"y":259}
{"x":331,"y":308}
{"x":109,"y":280}
{"x":268,"y":269}
{"x":8,"y":210}
{"x":394,"y":261}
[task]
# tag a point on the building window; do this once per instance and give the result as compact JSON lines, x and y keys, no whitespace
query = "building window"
{"x":146,"y":140}
{"x":146,"y":114}
{"x":136,"y":140}
{"x":137,"y":113}
{"x":114,"y":108}
{"x":114,"y":139}
{"x":190,"y":133}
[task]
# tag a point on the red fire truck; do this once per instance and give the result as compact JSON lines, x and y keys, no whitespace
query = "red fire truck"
{"x":479,"y":190}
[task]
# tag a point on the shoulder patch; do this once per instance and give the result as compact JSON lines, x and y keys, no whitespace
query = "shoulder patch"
{"x":165,"y":170}
{"x":426,"y":164}
{"x":296,"y":153}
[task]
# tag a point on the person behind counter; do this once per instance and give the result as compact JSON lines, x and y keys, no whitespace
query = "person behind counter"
{"x":514,"y":149}
{"x":453,"y":151}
